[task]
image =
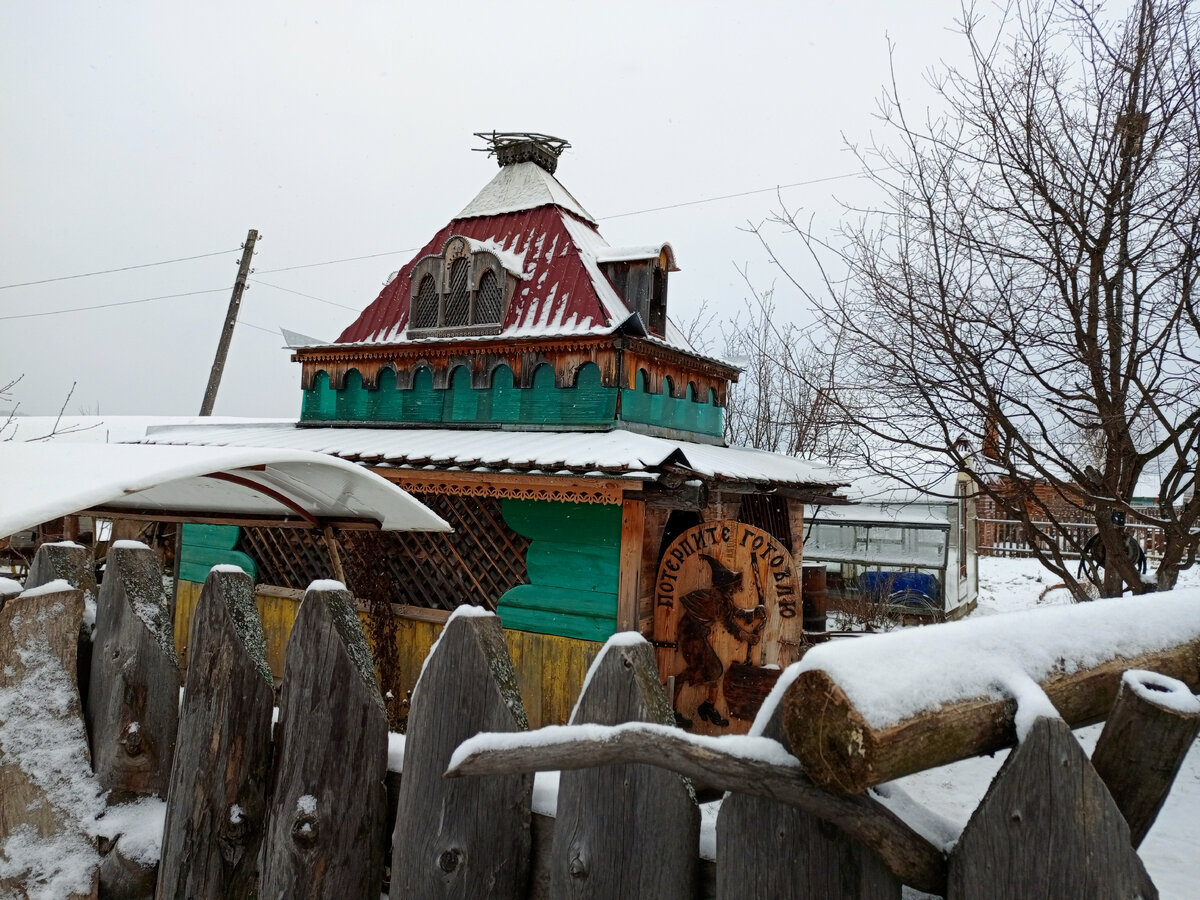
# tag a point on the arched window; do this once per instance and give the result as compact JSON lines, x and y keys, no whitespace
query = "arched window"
{"x":425,"y":304}
{"x":490,"y":301}
{"x":458,"y":300}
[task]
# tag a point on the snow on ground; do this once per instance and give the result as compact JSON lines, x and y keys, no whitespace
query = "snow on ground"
{"x":1169,"y":850}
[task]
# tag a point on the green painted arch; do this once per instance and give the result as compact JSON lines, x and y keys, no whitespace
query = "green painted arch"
{"x":388,"y":405}
{"x":504,"y":396}
{"x":540,"y":401}
{"x":320,"y":401}
{"x":460,"y":402}
{"x":352,"y":398}
{"x":421,"y":403}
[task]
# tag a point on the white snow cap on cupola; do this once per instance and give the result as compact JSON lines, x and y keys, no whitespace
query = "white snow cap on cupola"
{"x":526,"y":177}
{"x":521,"y":186}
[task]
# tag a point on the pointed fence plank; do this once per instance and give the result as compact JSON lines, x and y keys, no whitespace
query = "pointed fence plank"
{"x":217,"y":802}
{"x":1148,"y":733}
{"x":462,"y":838}
{"x":326,"y":815}
{"x":1047,"y":828}
{"x":42,"y":741}
{"x":771,"y":851}
{"x":133,"y":694}
{"x":66,"y":560}
{"x":624,"y":830}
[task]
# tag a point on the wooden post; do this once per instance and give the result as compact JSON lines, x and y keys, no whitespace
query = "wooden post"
{"x":235,"y":302}
{"x":756,"y":835}
{"x":335,"y":554}
{"x":1148,"y":733}
{"x":42,"y":738}
{"x":133,"y":695}
{"x":633,"y":524}
{"x":216,"y":806}
{"x":326,"y":816}
{"x":1047,"y":828}
{"x":624,"y":830}
{"x":462,"y":838}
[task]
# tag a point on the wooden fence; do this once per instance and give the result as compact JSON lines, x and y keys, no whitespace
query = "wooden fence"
{"x":1004,"y":537}
{"x":299,"y":809}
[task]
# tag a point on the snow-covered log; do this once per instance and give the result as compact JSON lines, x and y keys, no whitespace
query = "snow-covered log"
{"x":862,"y":712}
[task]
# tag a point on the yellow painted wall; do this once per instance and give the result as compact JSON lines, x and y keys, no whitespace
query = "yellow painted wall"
{"x":550,"y":669}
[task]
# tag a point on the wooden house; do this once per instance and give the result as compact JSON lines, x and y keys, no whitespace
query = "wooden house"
{"x":523,"y":379}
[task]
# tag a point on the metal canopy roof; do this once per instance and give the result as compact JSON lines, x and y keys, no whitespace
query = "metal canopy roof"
{"x":44,"y":480}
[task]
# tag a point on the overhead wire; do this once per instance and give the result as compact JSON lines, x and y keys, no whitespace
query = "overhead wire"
{"x":58,"y":312}
{"x":779,"y":187}
{"x":163,"y":262}
{"x":337,"y":261}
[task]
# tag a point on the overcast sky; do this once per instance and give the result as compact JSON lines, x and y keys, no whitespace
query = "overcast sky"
{"x":135,"y":133}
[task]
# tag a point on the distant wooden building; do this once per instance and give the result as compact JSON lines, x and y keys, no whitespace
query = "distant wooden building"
{"x":522,"y":378}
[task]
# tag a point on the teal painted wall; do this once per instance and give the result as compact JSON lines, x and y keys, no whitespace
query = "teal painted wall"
{"x":573,"y":564}
{"x":586,"y":403}
{"x":205,"y":546}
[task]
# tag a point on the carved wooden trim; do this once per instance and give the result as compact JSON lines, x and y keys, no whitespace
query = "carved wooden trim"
{"x":540,"y":487}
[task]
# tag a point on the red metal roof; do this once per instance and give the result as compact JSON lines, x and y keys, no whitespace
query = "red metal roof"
{"x":563,"y":291}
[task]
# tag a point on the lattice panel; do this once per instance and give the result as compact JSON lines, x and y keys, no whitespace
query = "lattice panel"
{"x":458,"y":302}
{"x":768,"y":512}
{"x":489,"y":302}
{"x":425,"y":305}
{"x":477,"y":563}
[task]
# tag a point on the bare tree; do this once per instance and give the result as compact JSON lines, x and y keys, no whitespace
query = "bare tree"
{"x":782,"y":402}
{"x":1029,"y":281}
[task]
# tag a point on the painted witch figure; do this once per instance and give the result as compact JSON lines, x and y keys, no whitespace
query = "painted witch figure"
{"x":703,"y":609}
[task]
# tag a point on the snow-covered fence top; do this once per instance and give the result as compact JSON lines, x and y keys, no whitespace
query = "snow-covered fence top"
{"x":935,"y":694}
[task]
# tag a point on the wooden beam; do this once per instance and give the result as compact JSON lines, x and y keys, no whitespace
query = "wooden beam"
{"x":633,"y":522}
{"x":248,"y":520}
{"x":912,"y":858}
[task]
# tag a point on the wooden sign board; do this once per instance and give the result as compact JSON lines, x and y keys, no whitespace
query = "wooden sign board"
{"x":726,"y":605}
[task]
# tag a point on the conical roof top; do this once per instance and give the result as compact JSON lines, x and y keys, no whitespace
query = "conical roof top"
{"x":522,"y":186}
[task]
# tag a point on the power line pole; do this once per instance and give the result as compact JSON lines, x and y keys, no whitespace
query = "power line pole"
{"x":235,"y":301}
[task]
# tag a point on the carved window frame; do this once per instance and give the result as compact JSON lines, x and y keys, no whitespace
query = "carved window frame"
{"x":440,"y":267}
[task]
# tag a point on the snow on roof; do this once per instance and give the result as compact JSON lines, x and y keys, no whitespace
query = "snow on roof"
{"x":519,"y":187}
{"x":562,"y":291}
{"x":632,"y":254}
{"x":40,"y":481}
{"x":513,"y":262}
{"x":107,"y":429}
{"x":617,"y":453}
